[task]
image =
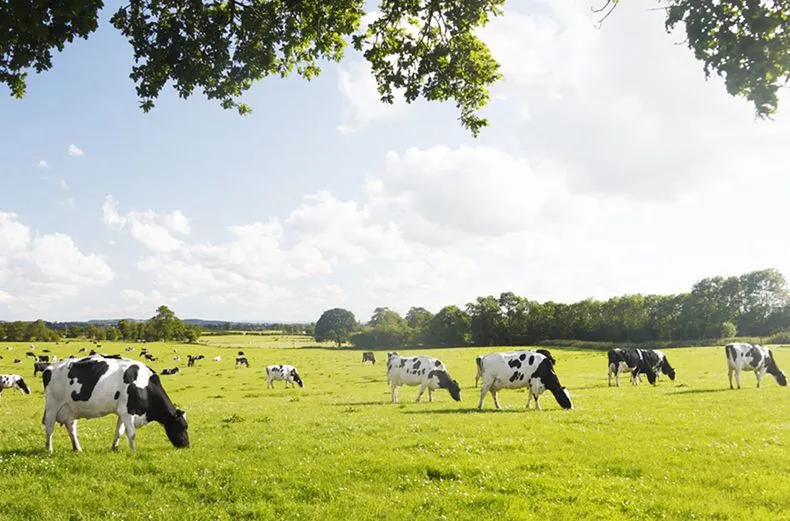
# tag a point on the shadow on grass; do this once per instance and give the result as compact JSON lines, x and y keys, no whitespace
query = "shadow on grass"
{"x":702,"y":391}
{"x":469,"y":410}
{"x":24,"y":452}
{"x":351,"y":404}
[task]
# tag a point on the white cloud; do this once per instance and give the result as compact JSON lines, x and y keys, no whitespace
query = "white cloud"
{"x":70,"y":202}
{"x":75,"y":151}
{"x":43,"y":164}
{"x":5,"y":297}
{"x":362,"y":103}
{"x":45,"y":268}
{"x":145,"y":227}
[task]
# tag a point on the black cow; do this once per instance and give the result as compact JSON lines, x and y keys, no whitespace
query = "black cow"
{"x":174,"y":370}
{"x":368,"y":356}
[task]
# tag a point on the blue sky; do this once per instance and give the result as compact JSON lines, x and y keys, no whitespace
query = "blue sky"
{"x":611,"y":166}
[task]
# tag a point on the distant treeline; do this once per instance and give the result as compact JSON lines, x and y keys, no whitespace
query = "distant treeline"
{"x":755,"y":304}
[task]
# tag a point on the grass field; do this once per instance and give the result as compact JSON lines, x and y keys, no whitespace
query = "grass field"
{"x":337,"y":449}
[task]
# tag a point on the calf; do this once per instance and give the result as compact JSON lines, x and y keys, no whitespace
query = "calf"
{"x":283,"y":372}
{"x":242,"y":361}
{"x":174,"y":370}
{"x":368,"y":356}
{"x":752,"y":357}
{"x":38,"y":367}
{"x":425,"y":371}
{"x":95,"y":386}
{"x":13,"y":381}
{"x":519,"y":369}
{"x":633,"y":360}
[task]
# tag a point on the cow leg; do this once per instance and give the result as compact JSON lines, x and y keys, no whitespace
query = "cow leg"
{"x":537,"y":405}
{"x":128,"y":422}
{"x":72,"y":428}
{"x":394,"y":393}
{"x":617,"y":376}
{"x":609,"y":374}
{"x":422,"y":390}
{"x":483,"y":392}
{"x":529,"y":398}
{"x":495,"y":396}
{"x":430,"y":394}
{"x":119,"y":430}
{"x":759,"y":374}
{"x":49,"y":426}
{"x":738,"y":377}
{"x":729,"y":375}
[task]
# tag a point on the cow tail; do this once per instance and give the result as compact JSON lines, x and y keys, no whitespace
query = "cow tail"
{"x":730,"y":349}
{"x":479,"y":362}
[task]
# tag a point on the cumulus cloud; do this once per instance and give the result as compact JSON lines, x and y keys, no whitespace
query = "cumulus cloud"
{"x":44,"y":268}
{"x":43,"y":164}
{"x":75,"y":151}
{"x":362,"y":103}
{"x":149,"y":228}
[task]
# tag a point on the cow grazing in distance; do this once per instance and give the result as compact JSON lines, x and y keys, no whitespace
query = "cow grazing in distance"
{"x":192,"y":359}
{"x":629,"y":359}
{"x":129,"y":348}
{"x":241,"y":353}
{"x":288,"y":373}
{"x":174,"y":370}
{"x":13,"y":381}
{"x":242,"y":361}
{"x":519,"y":369}
{"x":38,"y":367}
{"x":31,"y":354}
{"x":659,"y":362}
{"x":43,"y":358}
{"x":752,"y":357}
{"x":95,"y":386}
{"x":218,"y":358}
{"x":425,"y":371}
{"x":47,"y":350}
{"x":17,"y":361}
{"x":82,"y":350}
{"x":368,"y":356}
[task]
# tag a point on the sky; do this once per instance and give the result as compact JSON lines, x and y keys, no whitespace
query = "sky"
{"x":610,"y":166}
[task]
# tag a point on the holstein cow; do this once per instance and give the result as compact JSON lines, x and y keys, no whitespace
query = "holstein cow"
{"x":635,"y":361}
{"x":38,"y":367}
{"x":283,"y":372}
{"x":368,"y":356}
{"x":174,"y":370}
{"x":95,"y":386}
{"x":660,"y":364}
{"x":13,"y":381}
{"x":752,"y":357}
{"x":425,"y":371}
{"x":479,"y":375}
{"x":521,"y":369}
{"x":242,"y":361}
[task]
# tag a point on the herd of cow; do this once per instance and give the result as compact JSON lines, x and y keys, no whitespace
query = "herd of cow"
{"x":98,"y":385}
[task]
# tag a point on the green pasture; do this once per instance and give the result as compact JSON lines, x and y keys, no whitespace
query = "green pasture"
{"x":338,"y":449}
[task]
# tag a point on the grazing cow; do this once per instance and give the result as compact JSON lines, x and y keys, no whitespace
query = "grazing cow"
{"x":241,"y":360}
{"x":519,"y":369}
{"x":147,"y":356}
{"x":660,"y":363}
{"x":218,"y":358}
{"x":38,"y":367}
{"x":174,"y":370}
{"x":47,"y":350}
{"x":283,"y":372}
{"x":634,"y":360}
{"x":17,"y":361}
{"x":241,"y":353}
{"x":368,"y":356}
{"x":31,"y":354}
{"x":95,"y":386}
{"x":82,"y":350}
{"x":752,"y":357}
{"x":13,"y":381}
{"x":177,"y":358}
{"x":128,"y":348}
{"x":192,"y":359}
{"x":479,"y":375}
{"x":425,"y":371}
{"x":43,"y":358}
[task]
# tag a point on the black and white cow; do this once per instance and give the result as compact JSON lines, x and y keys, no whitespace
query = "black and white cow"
{"x":95,"y":386}
{"x":633,"y":360}
{"x":752,"y":357}
{"x":43,"y":358}
{"x":479,"y":375}
{"x":368,"y":356}
{"x":174,"y":370}
{"x":283,"y":372}
{"x":242,"y":361}
{"x":38,"y":367}
{"x":192,"y":359}
{"x":13,"y":381}
{"x":658,"y":361}
{"x":519,"y":369}
{"x":425,"y":371}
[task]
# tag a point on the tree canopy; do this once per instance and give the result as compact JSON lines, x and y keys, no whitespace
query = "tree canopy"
{"x":420,"y":48}
{"x":335,"y":325}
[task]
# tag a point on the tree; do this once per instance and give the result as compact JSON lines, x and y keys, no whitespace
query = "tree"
{"x":421,"y":49}
{"x":165,"y":325}
{"x":335,"y":324}
{"x":449,"y":327}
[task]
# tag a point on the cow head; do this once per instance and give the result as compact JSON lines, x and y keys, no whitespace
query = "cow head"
{"x":296,"y":378}
{"x":455,"y":390}
{"x":176,"y":429}
{"x":774,"y":370}
{"x":445,"y":382}
{"x":25,"y":389}
{"x":563,"y":397}
{"x":668,"y":369}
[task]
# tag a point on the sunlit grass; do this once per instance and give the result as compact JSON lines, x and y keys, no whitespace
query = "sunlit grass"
{"x":337,"y":449}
